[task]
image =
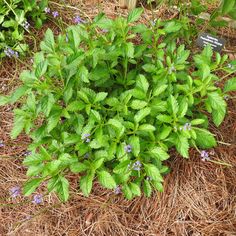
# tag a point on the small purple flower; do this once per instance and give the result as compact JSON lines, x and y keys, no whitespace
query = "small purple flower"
{"x":226,"y":97}
{"x":205,"y":155}
{"x":78,"y":20}
{"x":26,"y":25}
{"x":11,"y":53}
{"x":86,"y":155}
{"x":15,"y":191}
{"x":137,"y":166}
{"x":27,"y":153}
{"x":86,"y":138}
{"x":47,"y":10}
{"x":187,"y":126}
{"x":55,"y":14}
{"x":171,"y":69}
{"x":38,"y":198}
{"x":2,"y":144}
{"x":117,"y":190}
{"x":104,"y":30}
{"x":128,"y":148}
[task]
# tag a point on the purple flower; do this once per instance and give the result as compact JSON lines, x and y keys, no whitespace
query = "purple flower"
{"x":171,"y":69}
{"x":2,"y":144}
{"x":128,"y":148}
{"x":117,"y":190}
{"x":86,"y":156}
{"x":11,"y":53}
{"x":187,"y":126}
{"x":104,"y":30}
{"x":26,"y":25}
{"x":137,"y":166}
{"x":27,"y":153}
{"x":78,"y":20}
{"x":55,"y":14}
{"x":47,"y":10}
{"x":15,"y":191}
{"x":205,"y":155}
{"x":86,"y":138}
{"x":38,"y":198}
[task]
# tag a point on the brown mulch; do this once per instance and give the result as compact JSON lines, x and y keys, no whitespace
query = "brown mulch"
{"x":199,"y":197}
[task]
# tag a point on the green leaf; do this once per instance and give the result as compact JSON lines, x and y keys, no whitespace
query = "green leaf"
{"x":135,"y":189}
{"x":153,"y":172}
{"x":18,"y":93}
{"x":142,"y":83}
{"x":76,"y":106}
{"x":164,"y":118}
{"x":48,"y":45}
{"x":31,"y":185}
{"x":227,"y":6}
{"x":19,"y":124}
{"x":164,"y":132}
{"x":41,"y":69}
{"x":147,"y":188}
{"x":146,"y":127}
{"x":158,"y":186}
{"x":135,"y":144}
{"x":106,"y":179}
{"x":204,"y":139}
{"x":173,"y":104}
{"x":83,"y":74}
{"x":197,"y":121}
{"x":98,"y":163}
{"x":122,"y":167}
{"x":78,"y":167}
{"x":142,"y":114}
{"x":159,"y":90}
{"x":127,"y":192}
{"x":100,"y":96}
{"x":53,"y":120}
{"x":134,"y":15}
{"x":159,"y":153}
{"x":182,"y":146}
{"x":63,"y":189}
{"x":218,"y":105}
{"x":230,"y":85}
{"x":86,"y":183}
{"x":138,"y":104}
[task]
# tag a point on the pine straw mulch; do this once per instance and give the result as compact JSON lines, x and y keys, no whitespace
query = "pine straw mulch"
{"x":199,"y":197}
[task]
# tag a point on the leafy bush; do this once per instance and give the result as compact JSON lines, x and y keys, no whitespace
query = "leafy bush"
{"x":108,"y":100}
{"x":14,"y":21}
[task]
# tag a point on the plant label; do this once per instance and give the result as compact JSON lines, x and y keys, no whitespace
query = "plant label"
{"x":216,"y":43}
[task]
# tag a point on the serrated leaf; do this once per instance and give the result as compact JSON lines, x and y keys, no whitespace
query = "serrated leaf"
{"x":147,"y":189}
{"x":134,"y":15}
{"x":159,"y":90}
{"x":31,"y":185}
{"x":106,"y":179}
{"x":138,"y":104}
{"x":135,"y":144}
{"x":230,"y":85}
{"x":173,"y":104}
{"x":142,"y":114}
{"x":98,"y":163}
{"x":142,"y":83}
{"x":227,"y":6}
{"x":63,"y":189}
{"x":86,"y":183}
{"x":159,"y":153}
{"x":146,"y":127}
{"x":127,"y":192}
{"x":100,"y":96}
{"x":204,"y":139}
{"x":41,"y":69}
{"x":182,"y":146}
{"x":78,"y":167}
{"x":135,"y":189}
{"x":19,"y":124}
{"x":76,"y":106}
{"x":152,"y":171}
{"x":122,"y":167}
{"x":218,"y":105}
